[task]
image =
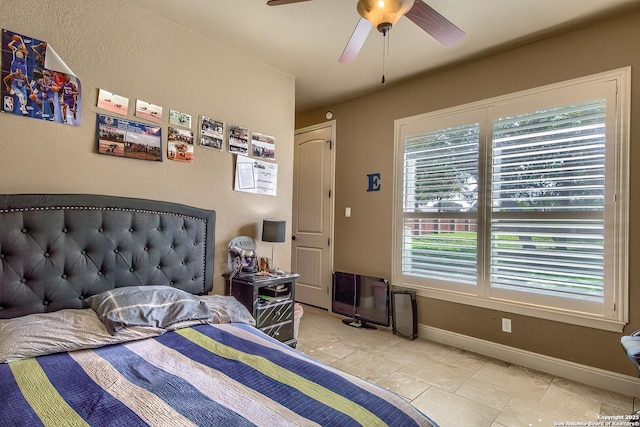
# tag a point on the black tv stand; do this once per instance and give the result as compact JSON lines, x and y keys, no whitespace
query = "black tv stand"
{"x":357,"y":323}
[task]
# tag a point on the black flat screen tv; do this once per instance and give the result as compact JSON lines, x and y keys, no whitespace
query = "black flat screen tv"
{"x":363,"y":299}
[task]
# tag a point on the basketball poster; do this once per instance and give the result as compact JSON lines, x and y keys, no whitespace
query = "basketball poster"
{"x":36,"y":83}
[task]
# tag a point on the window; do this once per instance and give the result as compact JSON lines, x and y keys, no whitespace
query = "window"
{"x":519,"y":203}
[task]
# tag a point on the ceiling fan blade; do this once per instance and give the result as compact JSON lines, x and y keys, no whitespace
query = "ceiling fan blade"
{"x":356,"y":41}
{"x":279,"y":2}
{"x":440,"y":28}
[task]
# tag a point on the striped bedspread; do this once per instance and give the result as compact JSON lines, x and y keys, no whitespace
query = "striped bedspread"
{"x":207,"y":375}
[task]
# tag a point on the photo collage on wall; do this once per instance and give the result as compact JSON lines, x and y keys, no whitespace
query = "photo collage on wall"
{"x":212,"y":135}
{"x":122,"y":137}
{"x":36,"y":83}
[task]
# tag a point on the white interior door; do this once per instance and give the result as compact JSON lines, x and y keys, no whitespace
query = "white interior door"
{"x":312,"y":228}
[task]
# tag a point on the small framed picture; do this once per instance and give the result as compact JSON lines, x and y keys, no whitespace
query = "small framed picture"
{"x":263,"y":146}
{"x":148,"y":111}
{"x":238,"y":140}
{"x":211,"y":133}
{"x":125,"y":138}
{"x":180,"y":145}
{"x":177,"y":118}
{"x":113,"y":102}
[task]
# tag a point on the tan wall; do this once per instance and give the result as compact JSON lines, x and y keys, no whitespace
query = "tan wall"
{"x":122,"y":48}
{"x":364,"y":145}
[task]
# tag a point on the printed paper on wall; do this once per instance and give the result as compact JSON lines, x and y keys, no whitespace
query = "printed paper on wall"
{"x":36,"y":83}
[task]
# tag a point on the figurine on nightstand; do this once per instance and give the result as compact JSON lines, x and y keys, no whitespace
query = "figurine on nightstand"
{"x":264,"y":268}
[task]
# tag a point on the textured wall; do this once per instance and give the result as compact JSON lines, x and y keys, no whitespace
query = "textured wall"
{"x":113,"y":45}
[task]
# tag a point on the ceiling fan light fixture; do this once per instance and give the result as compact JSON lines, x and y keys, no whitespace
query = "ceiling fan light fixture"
{"x":383,"y":14}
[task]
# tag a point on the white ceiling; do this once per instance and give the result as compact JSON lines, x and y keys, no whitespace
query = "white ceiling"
{"x":306,"y":39}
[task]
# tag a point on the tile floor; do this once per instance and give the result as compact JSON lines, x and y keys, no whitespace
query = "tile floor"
{"x":455,"y":387}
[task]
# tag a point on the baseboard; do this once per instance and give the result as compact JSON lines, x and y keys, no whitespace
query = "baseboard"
{"x":619,"y":383}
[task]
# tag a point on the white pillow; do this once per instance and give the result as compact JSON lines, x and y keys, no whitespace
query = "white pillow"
{"x":158,"y":306}
{"x":60,"y":331}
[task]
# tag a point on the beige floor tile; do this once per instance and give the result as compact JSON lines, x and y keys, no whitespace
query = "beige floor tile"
{"x":366,"y":365}
{"x":405,"y":351}
{"x":491,"y":395}
{"x":314,"y":338}
{"x":581,"y":407}
{"x":405,"y":385}
{"x":580,"y":397}
{"x":438,"y":373}
{"x":337,"y":349}
{"x":515,"y":380}
{"x":370,"y":341}
{"x":450,"y":410}
{"x":610,"y":410}
{"x":317,"y":354}
{"x":470,"y":361}
{"x":621,"y":401}
{"x":526,"y":413}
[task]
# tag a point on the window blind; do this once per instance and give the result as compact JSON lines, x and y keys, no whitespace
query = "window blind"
{"x":440,"y":204}
{"x":547,"y":198}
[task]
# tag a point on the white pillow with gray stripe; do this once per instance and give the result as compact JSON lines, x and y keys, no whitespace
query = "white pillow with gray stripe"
{"x":156,"y":306}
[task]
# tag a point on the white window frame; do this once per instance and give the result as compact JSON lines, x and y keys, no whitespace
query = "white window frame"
{"x":615,"y":311}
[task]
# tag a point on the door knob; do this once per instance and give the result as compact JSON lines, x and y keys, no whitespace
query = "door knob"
{"x":293,"y":237}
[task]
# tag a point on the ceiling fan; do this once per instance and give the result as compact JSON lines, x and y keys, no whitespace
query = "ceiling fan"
{"x":383,"y":14}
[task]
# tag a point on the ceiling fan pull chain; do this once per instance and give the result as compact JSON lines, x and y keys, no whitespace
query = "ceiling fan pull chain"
{"x":385,"y":50}
{"x":383,"y":67}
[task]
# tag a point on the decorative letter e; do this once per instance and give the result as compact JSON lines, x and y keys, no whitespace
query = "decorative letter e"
{"x":374,"y":182}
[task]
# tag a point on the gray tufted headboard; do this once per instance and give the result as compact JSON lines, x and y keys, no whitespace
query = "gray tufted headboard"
{"x":57,"y":249}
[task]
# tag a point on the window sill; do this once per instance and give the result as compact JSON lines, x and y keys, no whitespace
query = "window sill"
{"x":521,"y":309}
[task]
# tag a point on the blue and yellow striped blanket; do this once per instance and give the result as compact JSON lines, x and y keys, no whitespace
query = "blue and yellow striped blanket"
{"x":207,"y":375}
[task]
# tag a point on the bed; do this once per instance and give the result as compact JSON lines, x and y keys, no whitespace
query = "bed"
{"x":107,"y":318}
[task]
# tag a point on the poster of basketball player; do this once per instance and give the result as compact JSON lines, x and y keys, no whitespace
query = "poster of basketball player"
{"x":211,"y":133}
{"x":30,"y":88}
{"x":125,"y":138}
{"x":180,"y":145}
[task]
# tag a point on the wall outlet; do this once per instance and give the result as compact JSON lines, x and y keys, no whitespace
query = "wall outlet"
{"x":506,"y":325}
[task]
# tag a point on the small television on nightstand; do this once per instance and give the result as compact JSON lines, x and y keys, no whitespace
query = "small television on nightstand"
{"x":363,"y":299}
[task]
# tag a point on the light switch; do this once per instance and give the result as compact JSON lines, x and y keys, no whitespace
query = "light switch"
{"x":347,"y":212}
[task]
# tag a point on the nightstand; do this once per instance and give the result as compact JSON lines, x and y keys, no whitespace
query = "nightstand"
{"x":273,"y":313}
